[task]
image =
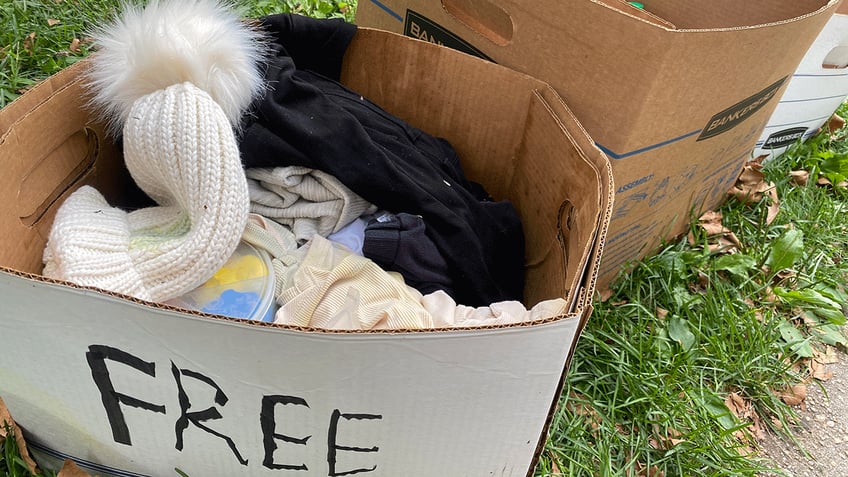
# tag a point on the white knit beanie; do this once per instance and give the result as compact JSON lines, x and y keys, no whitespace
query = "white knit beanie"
{"x":179,"y":147}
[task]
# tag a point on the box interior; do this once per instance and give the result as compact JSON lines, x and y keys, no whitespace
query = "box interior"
{"x":499,"y":121}
{"x":711,"y":14}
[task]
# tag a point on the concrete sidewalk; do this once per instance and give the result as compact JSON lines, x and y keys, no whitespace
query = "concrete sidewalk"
{"x":822,"y":430}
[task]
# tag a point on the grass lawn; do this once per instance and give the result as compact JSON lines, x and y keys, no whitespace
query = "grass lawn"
{"x":700,"y":347}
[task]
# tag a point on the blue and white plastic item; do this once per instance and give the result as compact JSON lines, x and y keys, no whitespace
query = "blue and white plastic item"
{"x":243,"y":288}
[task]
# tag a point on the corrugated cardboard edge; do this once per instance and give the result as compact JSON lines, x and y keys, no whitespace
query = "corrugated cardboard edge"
{"x":36,"y":95}
{"x":577,"y":314}
{"x":560,"y":110}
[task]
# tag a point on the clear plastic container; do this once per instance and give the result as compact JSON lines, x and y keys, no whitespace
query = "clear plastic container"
{"x":243,"y":288}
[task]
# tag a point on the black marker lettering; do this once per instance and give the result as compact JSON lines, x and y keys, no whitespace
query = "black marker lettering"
{"x":198,"y":417}
{"x":332,"y":446}
{"x":268,"y":423}
{"x":112,"y":400}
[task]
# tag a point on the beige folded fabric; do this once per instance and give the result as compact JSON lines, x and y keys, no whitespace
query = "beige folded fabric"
{"x":307,"y":200}
{"x":333,"y":288}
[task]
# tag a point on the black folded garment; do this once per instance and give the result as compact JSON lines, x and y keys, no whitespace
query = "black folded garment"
{"x":308,"y":118}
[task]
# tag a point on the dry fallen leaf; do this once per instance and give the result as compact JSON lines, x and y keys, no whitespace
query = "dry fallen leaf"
{"x":795,"y":395}
{"x":555,"y":472}
{"x":644,"y":471}
{"x":744,"y":411}
{"x":6,"y":419}
{"x":800,"y":177}
{"x":818,"y":364}
{"x":29,"y":41}
{"x":53,"y":21}
{"x":75,"y":45}
{"x":584,"y":409}
{"x":70,"y":469}
{"x":829,"y":356}
{"x":774,"y":205}
{"x":721,"y":239}
{"x":835,"y":123}
{"x":751,"y":184}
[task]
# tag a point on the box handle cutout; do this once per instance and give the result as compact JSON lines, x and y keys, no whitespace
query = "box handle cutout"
{"x":837,"y":58}
{"x":484,"y":17}
{"x":565,"y":225}
{"x":57,"y":172}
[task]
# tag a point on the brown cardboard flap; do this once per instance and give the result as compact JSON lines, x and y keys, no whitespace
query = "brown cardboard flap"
{"x":554,"y":200}
{"x":628,"y":9}
{"x":582,"y":142}
{"x":724,"y":14}
{"x":51,"y":146}
{"x":506,"y":135}
{"x":437,"y":90}
{"x":484,"y":17}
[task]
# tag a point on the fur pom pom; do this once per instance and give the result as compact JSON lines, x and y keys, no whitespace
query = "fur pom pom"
{"x":168,"y":42}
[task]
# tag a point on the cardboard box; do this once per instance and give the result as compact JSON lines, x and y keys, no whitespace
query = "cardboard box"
{"x":126,"y":387}
{"x":818,"y":87}
{"x":676,"y":94}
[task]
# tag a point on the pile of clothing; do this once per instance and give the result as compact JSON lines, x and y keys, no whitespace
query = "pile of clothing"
{"x":241,"y":131}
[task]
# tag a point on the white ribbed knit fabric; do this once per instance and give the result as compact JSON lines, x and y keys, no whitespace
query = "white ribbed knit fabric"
{"x":180,"y":149}
{"x":174,"y":77}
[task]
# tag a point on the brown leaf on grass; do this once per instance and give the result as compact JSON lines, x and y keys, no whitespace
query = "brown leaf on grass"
{"x":643,"y":470}
{"x":28,"y":42}
{"x":794,"y":395}
{"x":721,"y":239}
{"x":727,"y":243}
{"x":6,"y":419}
{"x":774,"y":206}
{"x":583,"y":409}
{"x":555,"y":472}
{"x":75,"y":45}
{"x":800,"y":177}
{"x":53,"y":21}
{"x":835,"y":123}
{"x":665,"y":439}
{"x":817,"y":366}
{"x":751,"y":185}
{"x":824,"y":181}
{"x":828,"y":357}
{"x":70,"y":469}
{"x":780,"y":276}
{"x":711,"y":222}
{"x":809,"y":320}
{"x":744,"y":411}
{"x":769,"y":297}
{"x":737,"y":405}
{"x":661,"y":313}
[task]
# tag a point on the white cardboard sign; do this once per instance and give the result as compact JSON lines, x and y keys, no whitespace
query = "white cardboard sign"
{"x":138,"y":390}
